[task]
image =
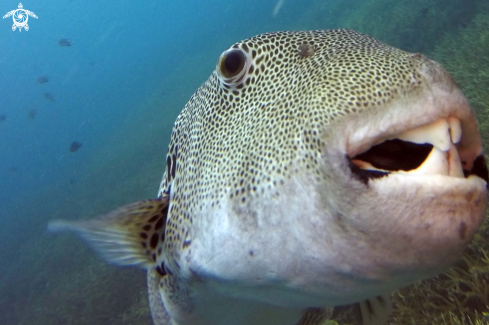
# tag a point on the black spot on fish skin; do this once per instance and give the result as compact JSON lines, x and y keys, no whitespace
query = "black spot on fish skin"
{"x":147,"y":227}
{"x":168,"y":168}
{"x":153,"y":218}
{"x":173,"y":166}
{"x":186,"y":243}
{"x":167,"y":270}
{"x":164,"y":211}
{"x":154,"y":241}
{"x":160,"y":271}
{"x":159,"y":224}
{"x":143,"y":235}
{"x":245,"y":48}
{"x":462,"y":230}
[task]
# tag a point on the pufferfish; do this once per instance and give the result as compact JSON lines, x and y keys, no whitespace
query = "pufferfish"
{"x":311,"y":170}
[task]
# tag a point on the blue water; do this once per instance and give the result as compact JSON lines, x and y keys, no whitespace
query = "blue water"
{"x":117,"y":90}
{"x":121,"y":52}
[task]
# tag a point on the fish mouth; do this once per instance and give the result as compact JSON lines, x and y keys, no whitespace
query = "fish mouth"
{"x":432,"y":149}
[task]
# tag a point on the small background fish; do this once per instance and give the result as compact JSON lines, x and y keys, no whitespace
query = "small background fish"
{"x":42,"y":80}
{"x":49,"y":97}
{"x":64,"y":42}
{"x":75,"y":146}
{"x":32,"y":114}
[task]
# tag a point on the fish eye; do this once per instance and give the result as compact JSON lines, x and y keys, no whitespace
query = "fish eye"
{"x":231,"y":63}
{"x":231,"y":66}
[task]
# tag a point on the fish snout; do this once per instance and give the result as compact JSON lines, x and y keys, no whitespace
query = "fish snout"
{"x":409,"y":178}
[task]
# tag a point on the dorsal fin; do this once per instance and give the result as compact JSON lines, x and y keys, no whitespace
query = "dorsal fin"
{"x":126,"y":236}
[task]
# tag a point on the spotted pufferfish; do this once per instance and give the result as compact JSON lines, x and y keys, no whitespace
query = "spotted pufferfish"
{"x":311,"y":170}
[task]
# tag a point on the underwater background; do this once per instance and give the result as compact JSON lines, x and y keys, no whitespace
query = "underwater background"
{"x":88,"y":97}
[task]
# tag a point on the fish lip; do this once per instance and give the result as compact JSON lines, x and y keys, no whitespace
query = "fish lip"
{"x":436,"y":97}
{"x":442,"y":101}
{"x":359,"y":141}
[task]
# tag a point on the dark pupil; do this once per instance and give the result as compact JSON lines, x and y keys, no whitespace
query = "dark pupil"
{"x":233,"y":62}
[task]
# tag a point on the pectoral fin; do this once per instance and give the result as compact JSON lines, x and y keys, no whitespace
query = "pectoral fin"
{"x":158,"y":311}
{"x":375,"y":311}
{"x":129,"y":235}
{"x":316,"y":316}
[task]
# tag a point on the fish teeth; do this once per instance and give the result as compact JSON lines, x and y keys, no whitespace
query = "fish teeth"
{"x":441,"y":134}
{"x":440,"y":163}
{"x":443,"y":159}
{"x":455,"y":129}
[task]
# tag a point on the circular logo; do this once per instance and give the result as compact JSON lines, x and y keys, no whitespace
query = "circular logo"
{"x":20,"y":18}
